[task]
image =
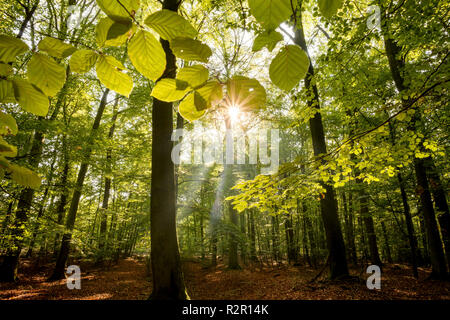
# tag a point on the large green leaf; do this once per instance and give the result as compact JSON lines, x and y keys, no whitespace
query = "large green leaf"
{"x":170,"y":90}
{"x":109,"y":72}
{"x":24,"y":176}
{"x":192,"y":107}
{"x":328,"y":8}
{"x":6,"y":92}
{"x":119,"y":11}
{"x":147,"y":55}
{"x":212,"y":92}
{"x":10,"y":48}
{"x":270,"y":13}
{"x":195,"y":75}
{"x":289,"y":67}
{"x":247,"y":94}
{"x":109,"y":33}
{"x":268,"y":38}
{"x":30,"y":97}
{"x":190,"y":49}
{"x":46,"y":74}
{"x":8,"y":124}
{"x":6,"y":149}
{"x":5,"y":69}
{"x":170,"y":25}
{"x":82,"y":60}
{"x":56,"y":48}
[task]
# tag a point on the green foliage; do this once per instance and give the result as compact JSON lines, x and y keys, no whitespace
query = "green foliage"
{"x":192,"y":107}
{"x":147,"y":55}
{"x":46,"y":74}
{"x":170,"y":90}
{"x":119,"y":11}
{"x":5,"y":69}
{"x":24,"y":176}
{"x":329,"y":8}
{"x":289,"y":67}
{"x":271,"y":13}
{"x":246,"y":93}
{"x":8,"y":124}
{"x":10,"y":48}
{"x":30,"y":98}
{"x":268,"y":39}
{"x":111,"y":34}
{"x":83,"y":60}
{"x":190,"y":49}
{"x":56,"y":48}
{"x":195,"y":75}
{"x":109,"y":72}
{"x":170,"y":25}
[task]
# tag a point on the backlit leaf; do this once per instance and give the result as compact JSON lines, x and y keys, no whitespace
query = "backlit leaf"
{"x":46,"y":74}
{"x":289,"y":67}
{"x":109,"y":72}
{"x":147,"y":55}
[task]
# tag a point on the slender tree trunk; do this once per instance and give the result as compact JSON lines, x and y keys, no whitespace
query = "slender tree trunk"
{"x":441,"y":205}
{"x":106,"y":193}
{"x":328,"y":204}
{"x":168,"y":282}
{"x":397,"y":65}
{"x":59,"y":270}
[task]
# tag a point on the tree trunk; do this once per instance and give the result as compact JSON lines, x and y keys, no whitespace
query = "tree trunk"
{"x":59,"y":270}
{"x":106,"y":193}
{"x":168,"y":282}
{"x":396,"y":65}
{"x":328,"y":204}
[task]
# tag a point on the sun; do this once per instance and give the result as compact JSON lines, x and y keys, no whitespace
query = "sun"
{"x":234,"y":113}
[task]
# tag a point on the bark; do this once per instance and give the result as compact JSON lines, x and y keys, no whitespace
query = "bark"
{"x":59,"y":270}
{"x":328,"y":204}
{"x":441,"y":205}
{"x":168,"y":282}
{"x":107,"y":189}
{"x":397,"y":65}
{"x":349,"y":227}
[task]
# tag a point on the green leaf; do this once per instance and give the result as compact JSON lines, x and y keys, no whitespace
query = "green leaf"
{"x":328,"y":8}
{"x":212,"y":92}
{"x":5,"y":69}
{"x":170,"y":90}
{"x":246,"y":93}
{"x":25,"y":177}
{"x":8,"y":124}
{"x":56,"y":48}
{"x":7,"y":150}
{"x":268,"y":38}
{"x":46,"y":74}
{"x":119,"y":11}
{"x":82,"y":60}
{"x":190,"y":49}
{"x":192,"y":107}
{"x":6,"y":92}
{"x":289,"y":67}
{"x":109,"y":33}
{"x":270,"y":13}
{"x":147,"y":55}
{"x":195,"y":75}
{"x":109,"y":72}
{"x":10,"y":48}
{"x":30,"y":97}
{"x":170,"y":25}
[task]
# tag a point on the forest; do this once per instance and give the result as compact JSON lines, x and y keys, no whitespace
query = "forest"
{"x":224,"y":149}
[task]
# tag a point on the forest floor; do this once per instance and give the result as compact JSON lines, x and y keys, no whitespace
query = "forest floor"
{"x":129,"y":280}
